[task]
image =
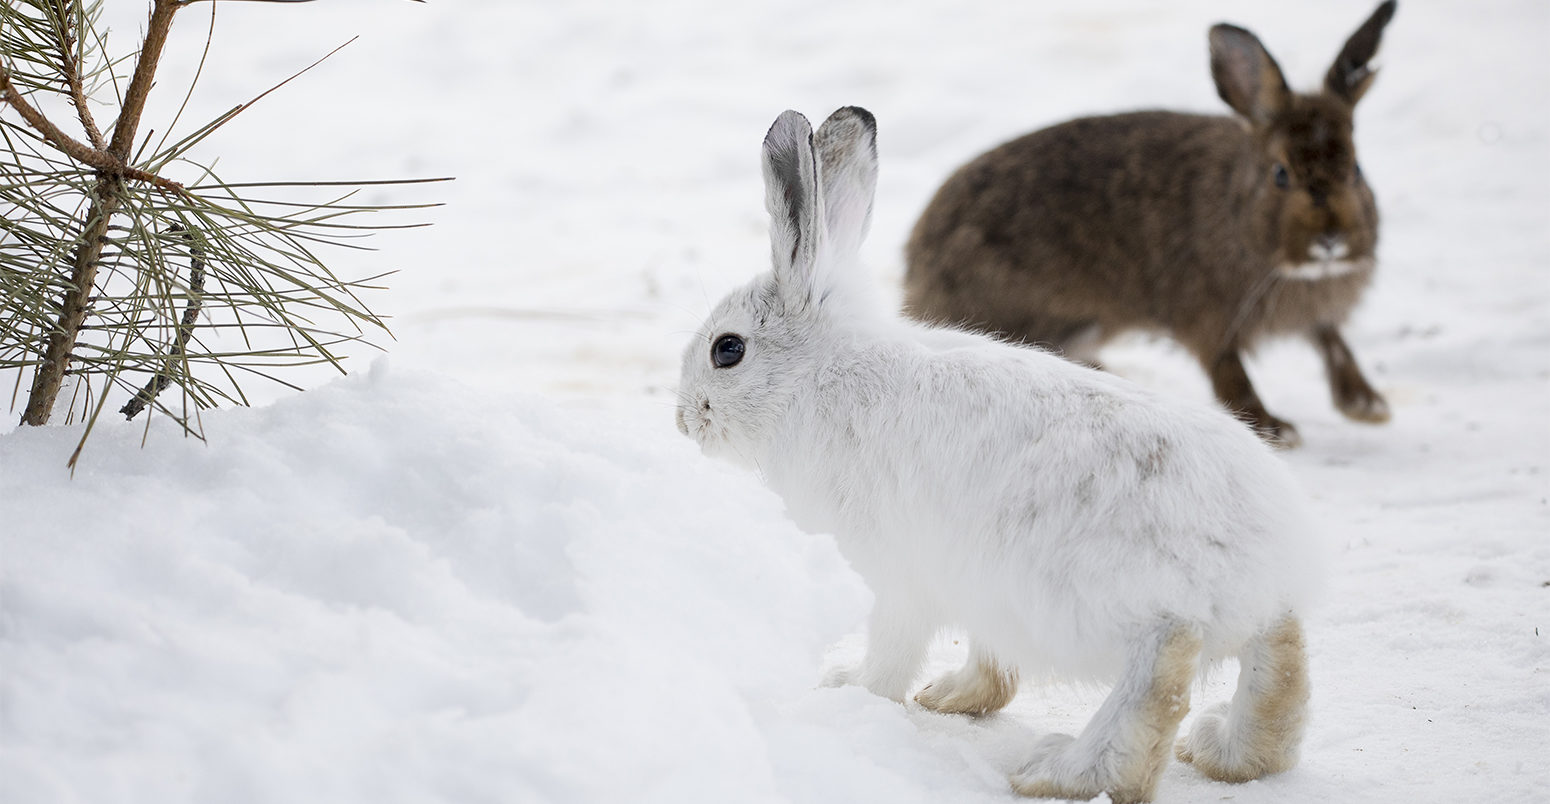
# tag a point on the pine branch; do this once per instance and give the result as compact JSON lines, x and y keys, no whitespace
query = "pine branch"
{"x":106,"y":198}
{"x":90,"y":233}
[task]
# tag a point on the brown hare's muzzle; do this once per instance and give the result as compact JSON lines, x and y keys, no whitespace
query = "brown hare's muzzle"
{"x":1329,"y":247}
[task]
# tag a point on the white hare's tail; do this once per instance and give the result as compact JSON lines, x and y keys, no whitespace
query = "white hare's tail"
{"x":1260,"y":731}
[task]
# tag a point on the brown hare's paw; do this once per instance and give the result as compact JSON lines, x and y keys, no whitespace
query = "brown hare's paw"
{"x":1363,"y":404}
{"x":1276,"y":432}
{"x":1351,"y":392}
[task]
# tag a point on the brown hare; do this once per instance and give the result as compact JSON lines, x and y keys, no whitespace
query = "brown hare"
{"x":1217,"y":231}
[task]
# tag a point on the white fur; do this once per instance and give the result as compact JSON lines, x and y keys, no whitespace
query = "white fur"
{"x":1055,"y":513}
{"x":1322,"y":268}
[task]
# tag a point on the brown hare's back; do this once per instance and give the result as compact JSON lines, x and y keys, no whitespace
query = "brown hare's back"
{"x":1116,"y":221}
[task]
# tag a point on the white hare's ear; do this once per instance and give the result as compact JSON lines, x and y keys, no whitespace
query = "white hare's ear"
{"x":847,"y":160}
{"x":796,"y":207}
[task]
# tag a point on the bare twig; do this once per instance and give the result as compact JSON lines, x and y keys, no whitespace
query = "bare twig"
{"x":196,"y":286}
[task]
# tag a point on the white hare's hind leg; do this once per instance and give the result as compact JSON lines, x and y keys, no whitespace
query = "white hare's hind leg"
{"x":980,"y":687}
{"x":1261,"y":730}
{"x":1124,"y":748}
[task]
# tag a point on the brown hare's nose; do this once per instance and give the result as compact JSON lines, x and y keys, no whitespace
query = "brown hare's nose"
{"x":1329,"y":246}
{"x":1320,"y":197}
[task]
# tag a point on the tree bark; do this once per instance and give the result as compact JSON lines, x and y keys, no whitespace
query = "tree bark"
{"x":106,"y":197}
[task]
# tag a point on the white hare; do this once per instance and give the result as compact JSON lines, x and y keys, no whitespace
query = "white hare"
{"x":1067,"y":520}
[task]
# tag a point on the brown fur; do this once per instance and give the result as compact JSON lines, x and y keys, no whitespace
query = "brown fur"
{"x":1171,"y":223}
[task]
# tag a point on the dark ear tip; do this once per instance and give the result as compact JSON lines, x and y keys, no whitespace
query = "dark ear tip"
{"x":866,"y":117}
{"x":1226,"y":29}
{"x":1381,"y":16}
{"x":1225,"y":36}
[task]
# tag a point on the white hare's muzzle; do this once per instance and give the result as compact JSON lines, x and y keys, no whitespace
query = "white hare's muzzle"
{"x":693,"y":419}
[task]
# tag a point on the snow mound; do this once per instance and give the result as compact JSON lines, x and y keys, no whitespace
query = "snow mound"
{"x":387,"y":591}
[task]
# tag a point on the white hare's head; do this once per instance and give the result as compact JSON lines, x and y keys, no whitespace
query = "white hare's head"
{"x":753,"y":354}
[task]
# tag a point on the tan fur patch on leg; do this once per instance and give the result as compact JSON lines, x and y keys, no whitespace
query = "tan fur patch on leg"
{"x":980,"y":687}
{"x":1260,"y":732}
{"x":1166,"y":705}
{"x":1128,"y":764}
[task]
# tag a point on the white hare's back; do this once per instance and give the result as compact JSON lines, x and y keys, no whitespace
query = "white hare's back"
{"x":1049,"y":509}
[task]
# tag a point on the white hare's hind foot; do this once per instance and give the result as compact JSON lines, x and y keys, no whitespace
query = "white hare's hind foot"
{"x":1058,"y":769}
{"x":1260,"y":732}
{"x":1124,"y":748}
{"x":979,"y":687}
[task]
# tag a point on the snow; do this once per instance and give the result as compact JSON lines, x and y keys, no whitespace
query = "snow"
{"x":487,"y":567}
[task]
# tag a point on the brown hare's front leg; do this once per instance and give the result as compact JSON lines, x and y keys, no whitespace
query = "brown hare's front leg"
{"x":1352,"y":394}
{"x":1231,"y":383}
{"x":1124,"y":748}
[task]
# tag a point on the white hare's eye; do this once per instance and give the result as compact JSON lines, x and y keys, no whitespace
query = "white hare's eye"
{"x":727,"y":351}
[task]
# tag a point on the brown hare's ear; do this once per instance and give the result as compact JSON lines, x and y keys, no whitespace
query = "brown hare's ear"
{"x":847,"y":162}
{"x":1350,"y":76}
{"x":796,"y":212}
{"x":1245,"y":74}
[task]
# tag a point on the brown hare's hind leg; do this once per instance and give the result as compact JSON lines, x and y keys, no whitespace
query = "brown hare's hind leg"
{"x":1124,"y":748}
{"x":980,"y":687}
{"x":1260,"y":731}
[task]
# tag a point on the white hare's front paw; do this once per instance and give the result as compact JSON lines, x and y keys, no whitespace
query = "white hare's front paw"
{"x":892,"y":683}
{"x":880,"y":682}
{"x":843,"y":675}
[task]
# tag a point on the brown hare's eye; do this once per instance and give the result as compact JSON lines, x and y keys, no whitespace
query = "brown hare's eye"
{"x":1282,"y":178}
{"x":727,"y":351}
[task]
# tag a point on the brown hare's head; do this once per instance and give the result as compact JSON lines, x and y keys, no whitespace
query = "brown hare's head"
{"x":1317,"y":209}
